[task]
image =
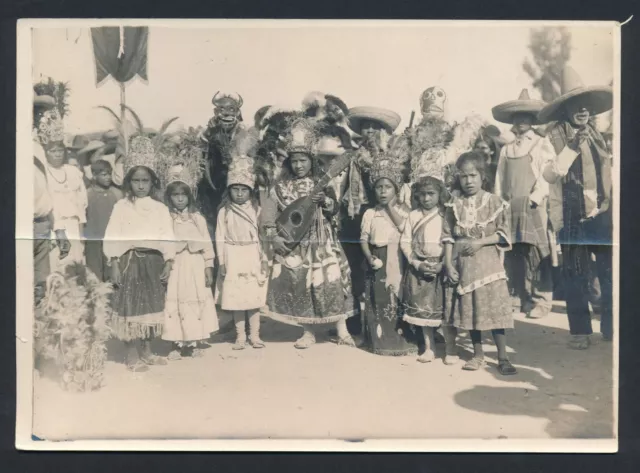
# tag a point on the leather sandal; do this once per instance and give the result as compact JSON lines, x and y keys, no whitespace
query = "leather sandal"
{"x":474,"y":364}
{"x":505,"y":368}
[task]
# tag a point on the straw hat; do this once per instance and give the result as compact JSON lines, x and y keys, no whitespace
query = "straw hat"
{"x":93,"y":145}
{"x":387,"y":118}
{"x":505,"y":111}
{"x":599,"y":99}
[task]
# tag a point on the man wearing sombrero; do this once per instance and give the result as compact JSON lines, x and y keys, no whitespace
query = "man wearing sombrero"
{"x":519,"y":181}
{"x":580,"y":200}
{"x":374,"y":125}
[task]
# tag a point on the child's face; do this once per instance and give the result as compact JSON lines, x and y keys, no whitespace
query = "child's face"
{"x":385,"y":191}
{"x":300,"y":164}
{"x":484,"y":148}
{"x":522,"y":122}
{"x":141,"y":183}
{"x":179,"y":199}
{"x":470,"y":179}
{"x":103,"y":178}
{"x":239,"y":193}
{"x":428,"y":197}
{"x":55,"y":155}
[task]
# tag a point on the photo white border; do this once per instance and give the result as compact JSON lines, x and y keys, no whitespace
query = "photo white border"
{"x":24,"y":263}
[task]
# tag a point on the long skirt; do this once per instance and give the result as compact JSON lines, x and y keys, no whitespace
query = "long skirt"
{"x":384,"y":330}
{"x":486,"y":308}
{"x":312,"y":284}
{"x":422,"y":298}
{"x":190,"y":313}
{"x":138,"y":303}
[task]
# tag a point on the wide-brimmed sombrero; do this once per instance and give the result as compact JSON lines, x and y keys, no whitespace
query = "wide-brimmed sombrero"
{"x":598,"y":99}
{"x":505,"y":111}
{"x":387,"y":118}
{"x":92,"y":146}
{"x":43,"y":101}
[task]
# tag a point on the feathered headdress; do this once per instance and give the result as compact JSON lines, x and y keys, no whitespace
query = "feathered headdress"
{"x":50,"y":128}
{"x":183,"y":163}
{"x":144,"y":148}
{"x":302,"y":137}
{"x":389,"y":161}
{"x":243,"y":150}
{"x":328,"y":111}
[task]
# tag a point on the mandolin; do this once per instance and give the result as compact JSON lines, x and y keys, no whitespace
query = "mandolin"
{"x":295,"y":220}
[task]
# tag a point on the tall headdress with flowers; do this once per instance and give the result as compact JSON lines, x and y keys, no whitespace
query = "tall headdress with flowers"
{"x":183,"y":162}
{"x":243,"y":151}
{"x":390,"y":159}
{"x":50,"y":128}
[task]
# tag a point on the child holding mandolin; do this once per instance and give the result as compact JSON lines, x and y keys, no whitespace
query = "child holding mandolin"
{"x":310,"y":279}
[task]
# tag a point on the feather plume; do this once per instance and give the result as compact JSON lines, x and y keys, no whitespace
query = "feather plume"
{"x":464,"y":136}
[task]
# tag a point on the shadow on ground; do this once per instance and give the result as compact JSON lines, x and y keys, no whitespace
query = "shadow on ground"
{"x":571,"y":389}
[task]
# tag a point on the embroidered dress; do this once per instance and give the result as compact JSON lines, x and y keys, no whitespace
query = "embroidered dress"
{"x":190,"y":313}
{"x":480,"y":301}
{"x":311,"y":284}
{"x":385,"y":331}
{"x":69,"y":199}
{"x":244,"y":285}
{"x":140,"y":234}
{"x":423,"y":297}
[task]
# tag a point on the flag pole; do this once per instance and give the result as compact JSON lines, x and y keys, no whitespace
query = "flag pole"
{"x":123,"y":117}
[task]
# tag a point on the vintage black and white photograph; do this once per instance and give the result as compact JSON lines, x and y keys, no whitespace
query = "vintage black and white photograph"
{"x":318,"y":231}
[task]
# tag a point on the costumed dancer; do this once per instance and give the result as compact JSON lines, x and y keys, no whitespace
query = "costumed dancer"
{"x":375,"y":126}
{"x":310,"y":279}
{"x":519,"y":181}
{"x":220,"y":130}
{"x":580,"y":200}
{"x":66,"y":188}
{"x":140,"y":244}
{"x":243,"y":273}
{"x":475,"y":231}
{"x":190,"y":312}
{"x":423,"y":290}
{"x":384,"y":330}
{"x":43,"y":216}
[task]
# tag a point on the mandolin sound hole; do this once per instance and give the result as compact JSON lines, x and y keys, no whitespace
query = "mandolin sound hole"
{"x":296,"y":219}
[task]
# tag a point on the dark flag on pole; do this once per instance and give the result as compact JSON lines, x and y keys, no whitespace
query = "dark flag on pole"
{"x":120,"y":52}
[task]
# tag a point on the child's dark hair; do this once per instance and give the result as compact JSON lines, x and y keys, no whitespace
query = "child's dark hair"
{"x":424,"y":182}
{"x":155,"y":183}
{"x":176,"y":186}
{"x":99,"y":166}
{"x":475,"y":158}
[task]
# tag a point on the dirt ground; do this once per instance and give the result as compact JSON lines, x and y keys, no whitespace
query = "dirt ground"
{"x":331,"y":391}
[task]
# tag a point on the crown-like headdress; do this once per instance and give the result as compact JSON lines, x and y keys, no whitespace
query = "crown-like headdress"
{"x":51,"y":127}
{"x":389,"y":160}
{"x":242,"y":166}
{"x":141,"y":153}
{"x":302,"y":137}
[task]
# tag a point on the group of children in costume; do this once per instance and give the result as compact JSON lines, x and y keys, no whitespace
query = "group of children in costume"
{"x":433,"y":252}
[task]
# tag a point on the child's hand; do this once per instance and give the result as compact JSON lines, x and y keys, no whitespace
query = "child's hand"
{"x":279,"y":246}
{"x":64,"y":245}
{"x":452,"y":274}
{"x":208,"y":277}
{"x":166,"y":271}
{"x":469,"y":247}
{"x":319,"y":198}
{"x":393,"y":202}
{"x":427,"y":269}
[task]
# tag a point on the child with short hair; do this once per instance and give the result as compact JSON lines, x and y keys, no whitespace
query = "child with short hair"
{"x":102,"y":196}
{"x":243,"y":271}
{"x":475,"y":231}
{"x":422,"y":288}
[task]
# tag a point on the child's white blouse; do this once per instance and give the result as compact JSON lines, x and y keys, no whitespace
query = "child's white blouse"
{"x":143,"y":223}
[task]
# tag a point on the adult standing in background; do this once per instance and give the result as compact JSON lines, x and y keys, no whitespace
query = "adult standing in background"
{"x":580,"y":200}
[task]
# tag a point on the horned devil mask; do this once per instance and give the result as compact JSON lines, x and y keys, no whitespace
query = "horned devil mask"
{"x":226,"y":109}
{"x":432,"y":102}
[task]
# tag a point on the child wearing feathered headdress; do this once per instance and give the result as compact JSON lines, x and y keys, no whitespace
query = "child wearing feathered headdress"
{"x":242,"y":275}
{"x":384,"y":330}
{"x":190,"y":312}
{"x":139,"y":243}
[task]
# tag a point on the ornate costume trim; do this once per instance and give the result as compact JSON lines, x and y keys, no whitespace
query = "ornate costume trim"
{"x":481,"y":282}
{"x":471,"y":217}
{"x":293,"y":320}
{"x":422,"y":322}
{"x":142,"y":327}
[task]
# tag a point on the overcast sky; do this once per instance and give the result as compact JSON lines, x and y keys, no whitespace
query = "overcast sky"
{"x":478,"y":66}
